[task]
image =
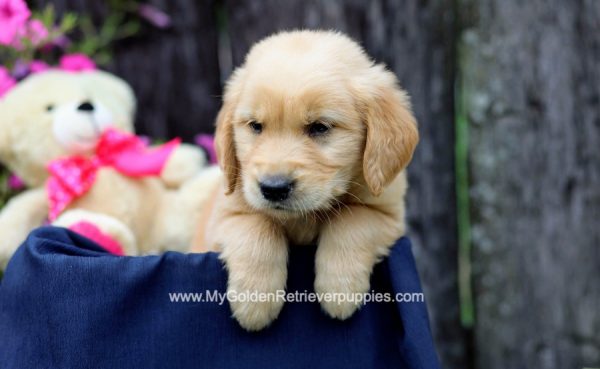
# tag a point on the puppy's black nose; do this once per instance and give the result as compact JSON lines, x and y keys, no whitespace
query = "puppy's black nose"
{"x":276,"y":188}
{"x":85,"y":106}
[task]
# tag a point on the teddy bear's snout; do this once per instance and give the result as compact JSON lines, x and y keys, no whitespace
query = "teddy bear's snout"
{"x":77,"y":125}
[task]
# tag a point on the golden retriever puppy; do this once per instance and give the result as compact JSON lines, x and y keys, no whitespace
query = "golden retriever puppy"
{"x":313,"y":139}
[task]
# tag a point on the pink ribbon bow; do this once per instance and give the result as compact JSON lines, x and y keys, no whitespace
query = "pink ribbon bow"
{"x":71,"y":177}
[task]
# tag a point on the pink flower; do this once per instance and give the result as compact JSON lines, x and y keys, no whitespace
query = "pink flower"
{"x":13,"y":15}
{"x":61,"y":41}
{"x":37,"y":66}
{"x":34,"y":31}
{"x":6,"y":81}
{"x":19,"y":70}
{"x":76,"y":63}
{"x":155,"y":16}
{"x":145,"y":139}
{"x":207,"y":142}
{"x":15,"y":183}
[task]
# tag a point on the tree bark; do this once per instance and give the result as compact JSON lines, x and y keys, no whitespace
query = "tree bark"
{"x":416,"y":40}
{"x":532,"y":88}
{"x":174,"y":72}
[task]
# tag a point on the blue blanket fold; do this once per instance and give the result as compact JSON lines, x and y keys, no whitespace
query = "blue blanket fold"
{"x":66,"y":303}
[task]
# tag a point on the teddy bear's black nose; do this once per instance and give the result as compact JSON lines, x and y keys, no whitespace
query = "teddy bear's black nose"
{"x":85,"y":106}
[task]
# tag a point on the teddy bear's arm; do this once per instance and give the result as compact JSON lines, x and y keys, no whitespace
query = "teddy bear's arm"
{"x":21,"y":214}
{"x":185,"y":162}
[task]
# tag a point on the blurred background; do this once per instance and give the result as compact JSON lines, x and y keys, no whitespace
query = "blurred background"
{"x":504,"y":205}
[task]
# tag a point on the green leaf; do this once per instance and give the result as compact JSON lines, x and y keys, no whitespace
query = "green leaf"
{"x":87,"y":26}
{"x":103,"y":57}
{"x":129,"y":29}
{"x":68,"y":22}
{"x":48,"y":16}
{"x":110,"y":27}
{"x":87,"y":46}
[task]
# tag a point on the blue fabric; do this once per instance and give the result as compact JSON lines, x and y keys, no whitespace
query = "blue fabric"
{"x":65,"y":303}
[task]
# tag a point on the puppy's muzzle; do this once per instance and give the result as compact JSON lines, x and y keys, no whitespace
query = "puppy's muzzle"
{"x":276,"y":188}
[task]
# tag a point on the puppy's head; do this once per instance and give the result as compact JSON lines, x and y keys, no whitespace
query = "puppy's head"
{"x":307,"y":117}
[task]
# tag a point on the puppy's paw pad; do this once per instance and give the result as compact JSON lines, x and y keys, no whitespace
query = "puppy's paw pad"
{"x":341,"y":297}
{"x":339,"y":309}
{"x":254,"y":316}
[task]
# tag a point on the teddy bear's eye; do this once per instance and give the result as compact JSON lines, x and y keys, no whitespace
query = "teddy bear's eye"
{"x":49,"y":107}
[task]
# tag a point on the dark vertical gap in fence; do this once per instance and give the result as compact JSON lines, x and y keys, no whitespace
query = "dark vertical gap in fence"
{"x":532,"y":95}
{"x":417,"y":41}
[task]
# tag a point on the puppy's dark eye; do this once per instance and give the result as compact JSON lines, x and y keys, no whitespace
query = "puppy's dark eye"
{"x":255,"y":127}
{"x":316,"y":129}
{"x":49,"y":107}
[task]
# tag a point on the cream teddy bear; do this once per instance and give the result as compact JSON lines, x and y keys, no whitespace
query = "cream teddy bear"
{"x":58,"y":114}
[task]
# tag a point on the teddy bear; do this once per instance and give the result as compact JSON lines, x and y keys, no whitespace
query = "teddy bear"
{"x":57,"y":114}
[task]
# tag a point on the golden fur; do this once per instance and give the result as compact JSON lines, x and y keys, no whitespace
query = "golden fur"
{"x":349,"y":182}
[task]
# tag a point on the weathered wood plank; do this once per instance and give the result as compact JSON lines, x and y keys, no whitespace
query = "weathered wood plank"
{"x":416,"y":40}
{"x":175,"y":73}
{"x":532,"y":87}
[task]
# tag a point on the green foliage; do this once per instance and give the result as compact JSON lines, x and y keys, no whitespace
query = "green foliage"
{"x":49,"y":18}
{"x":4,"y":190}
{"x":84,"y":35}
{"x":97,"y":41}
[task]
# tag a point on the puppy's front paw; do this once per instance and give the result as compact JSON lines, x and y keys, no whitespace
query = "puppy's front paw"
{"x":255,"y":301}
{"x":253,"y":315}
{"x":255,"y":254}
{"x":254,"y":290}
{"x":342,"y":294}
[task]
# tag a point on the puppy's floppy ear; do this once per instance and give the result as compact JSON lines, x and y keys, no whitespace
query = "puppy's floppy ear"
{"x":225,"y":146}
{"x":224,"y":140}
{"x":392,"y":134}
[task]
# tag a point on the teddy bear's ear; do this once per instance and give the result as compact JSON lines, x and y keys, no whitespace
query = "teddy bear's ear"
{"x":120,"y":90}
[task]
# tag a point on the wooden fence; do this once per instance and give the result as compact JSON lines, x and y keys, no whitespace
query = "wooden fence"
{"x":520,"y":81}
